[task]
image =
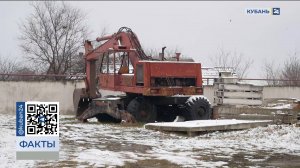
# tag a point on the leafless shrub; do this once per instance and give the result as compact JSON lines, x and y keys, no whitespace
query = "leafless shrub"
{"x":291,"y":71}
{"x":7,"y":66}
{"x":272,"y":73}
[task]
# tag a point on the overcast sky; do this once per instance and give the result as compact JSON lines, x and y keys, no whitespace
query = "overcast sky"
{"x":197,"y":29}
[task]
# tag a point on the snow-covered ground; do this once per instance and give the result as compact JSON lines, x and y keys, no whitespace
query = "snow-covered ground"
{"x":109,"y":145}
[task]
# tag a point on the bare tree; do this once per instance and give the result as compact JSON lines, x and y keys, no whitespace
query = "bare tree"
{"x":154,"y":53}
{"x":291,"y":70}
{"x":7,"y":66}
{"x":103,"y":32}
{"x":52,"y":36}
{"x":272,"y":73}
{"x":78,"y":63}
{"x":235,"y":60}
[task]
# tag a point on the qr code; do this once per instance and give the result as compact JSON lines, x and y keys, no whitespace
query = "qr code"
{"x":42,"y":118}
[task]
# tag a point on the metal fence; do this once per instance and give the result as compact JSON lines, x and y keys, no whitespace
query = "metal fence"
{"x":206,"y":81}
{"x":39,"y":77}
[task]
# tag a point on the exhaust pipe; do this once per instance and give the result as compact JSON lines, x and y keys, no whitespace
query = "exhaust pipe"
{"x":163,"y":53}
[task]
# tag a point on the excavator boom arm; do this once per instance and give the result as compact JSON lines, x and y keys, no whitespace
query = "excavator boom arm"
{"x":123,"y":40}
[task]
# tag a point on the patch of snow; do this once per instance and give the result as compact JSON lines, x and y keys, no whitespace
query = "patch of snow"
{"x":205,"y":123}
{"x":280,"y":106}
{"x":213,"y":164}
{"x":105,"y":158}
{"x":181,"y":158}
{"x":254,"y":114}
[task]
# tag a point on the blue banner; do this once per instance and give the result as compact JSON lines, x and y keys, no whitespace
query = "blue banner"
{"x":20,"y":119}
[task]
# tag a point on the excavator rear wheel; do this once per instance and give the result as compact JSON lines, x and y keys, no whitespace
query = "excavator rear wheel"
{"x":198,"y":108}
{"x":142,"y":109}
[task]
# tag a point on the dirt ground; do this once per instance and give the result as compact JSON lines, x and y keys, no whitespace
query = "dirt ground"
{"x":96,"y":144}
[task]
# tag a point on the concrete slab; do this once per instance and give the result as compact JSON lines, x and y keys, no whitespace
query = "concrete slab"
{"x":240,"y":87}
{"x":234,"y":101}
{"x":197,"y":126}
{"x":240,"y":94}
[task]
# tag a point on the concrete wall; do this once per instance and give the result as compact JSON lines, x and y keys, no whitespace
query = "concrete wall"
{"x":281,"y":92}
{"x":13,"y":91}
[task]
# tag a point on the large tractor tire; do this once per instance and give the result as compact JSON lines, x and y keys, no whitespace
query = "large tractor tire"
{"x":198,"y":108}
{"x":142,"y":110}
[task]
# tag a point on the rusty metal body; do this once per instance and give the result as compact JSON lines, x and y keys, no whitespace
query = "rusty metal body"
{"x":120,"y":64}
{"x":153,"y":78}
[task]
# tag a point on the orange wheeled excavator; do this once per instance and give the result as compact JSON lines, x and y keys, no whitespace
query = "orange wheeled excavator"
{"x":154,"y":89}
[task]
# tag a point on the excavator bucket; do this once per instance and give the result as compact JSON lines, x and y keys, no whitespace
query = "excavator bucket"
{"x":104,"y":109}
{"x":80,"y":101}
